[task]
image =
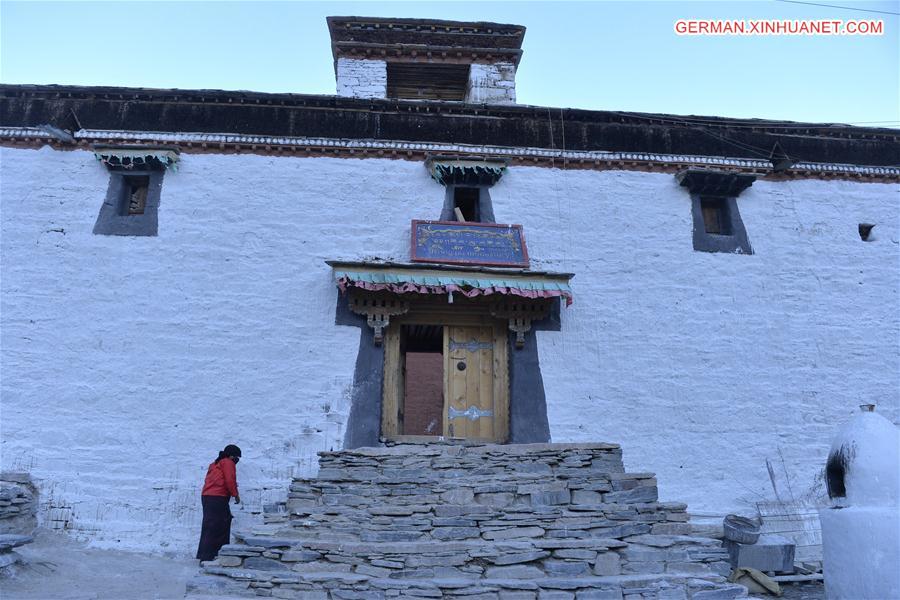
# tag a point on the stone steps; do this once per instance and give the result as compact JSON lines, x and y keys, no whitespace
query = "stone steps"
{"x":345,"y":586}
{"x":518,"y":559}
{"x":496,"y":490}
{"x":535,"y":521}
{"x":453,"y":521}
{"x":451,"y":461}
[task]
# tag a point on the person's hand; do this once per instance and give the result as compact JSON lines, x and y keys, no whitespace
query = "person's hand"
{"x":237,"y":499}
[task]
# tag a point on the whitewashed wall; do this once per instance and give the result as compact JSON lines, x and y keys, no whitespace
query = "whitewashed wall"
{"x":128,"y":362}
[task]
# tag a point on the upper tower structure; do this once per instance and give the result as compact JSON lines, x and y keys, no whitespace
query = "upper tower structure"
{"x":425,"y":59}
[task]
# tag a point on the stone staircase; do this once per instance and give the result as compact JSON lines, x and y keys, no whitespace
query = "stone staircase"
{"x":529,"y":521}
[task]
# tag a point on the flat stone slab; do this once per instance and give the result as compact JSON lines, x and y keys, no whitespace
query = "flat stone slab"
{"x":769,"y":553}
{"x":8,"y":541}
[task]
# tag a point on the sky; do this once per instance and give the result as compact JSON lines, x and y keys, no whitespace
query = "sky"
{"x":622,"y":56}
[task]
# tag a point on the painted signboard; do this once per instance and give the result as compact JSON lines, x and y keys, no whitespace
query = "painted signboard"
{"x":464,"y":243}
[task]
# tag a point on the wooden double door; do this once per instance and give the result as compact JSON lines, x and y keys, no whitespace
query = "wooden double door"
{"x":446,"y":378}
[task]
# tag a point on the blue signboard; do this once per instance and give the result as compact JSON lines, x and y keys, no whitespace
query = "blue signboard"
{"x":463,"y":243}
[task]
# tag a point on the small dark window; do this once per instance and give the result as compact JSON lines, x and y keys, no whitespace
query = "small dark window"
{"x":715,"y":216}
{"x":135,"y":192}
{"x":131,"y":206}
{"x":466,"y":200}
{"x":865,"y":230}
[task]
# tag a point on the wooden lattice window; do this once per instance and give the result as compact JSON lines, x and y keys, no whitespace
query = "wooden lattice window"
{"x":427,"y":81}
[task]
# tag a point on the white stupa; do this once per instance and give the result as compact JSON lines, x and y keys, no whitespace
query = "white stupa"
{"x":861,"y":529}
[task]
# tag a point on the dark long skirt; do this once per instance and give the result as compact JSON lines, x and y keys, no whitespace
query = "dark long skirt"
{"x":216,"y":531}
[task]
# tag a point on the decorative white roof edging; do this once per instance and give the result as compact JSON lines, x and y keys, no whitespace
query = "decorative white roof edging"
{"x":431,"y":147}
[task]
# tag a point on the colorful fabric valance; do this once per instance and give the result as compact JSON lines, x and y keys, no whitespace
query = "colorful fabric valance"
{"x":465,"y":171}
{"x":403,"y":279}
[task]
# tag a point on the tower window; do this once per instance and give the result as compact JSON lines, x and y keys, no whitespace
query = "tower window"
{"x":466,"y":199}
{"x":427,"y":81}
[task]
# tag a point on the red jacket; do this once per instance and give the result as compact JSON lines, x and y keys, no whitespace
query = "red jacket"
{"x":221,"y":479}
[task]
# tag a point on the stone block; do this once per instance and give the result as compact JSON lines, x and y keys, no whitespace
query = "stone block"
{"x":607,"y":563}
{"x":517,"y":595}
{"x":419,"y":573}
{"x":306,"y":595}
{"x":437,"y":560}
{"x":495,"y":499}
{"x":264,"y":564}
{"x":620,"y":531}
{"x":551,"y":497}
{"x":8,"y":541}
{"x":637,"y":495}
{"x":321,"y":566}
{"x":643,"y":568}
{"x":521,"y":557}
{"x":459,"y":496}
{"x":513,"y":532}
{"x":724,"y":592}
{"x":388,"y":564}
{"x":672,"y":593}
{"x":241,"y":550}
{"x":351,"y":595}
{"x":586,"y":497}
{"x":390,"y":536}
{"x":688,"y":568}
{"x":300,"y":556}
{"x":455,"y":533}
{"x":565,"y":567}
{"x":373,"y":571}
{"x":769,"y":553}
{"x":229,"y":561}
{"x":270,"y":542}
{"x":453,"y":522}
{"x":514,"y":572}
{"x":576,"y":554}
{"x":555,"y":595}
{"x":601,"y":594}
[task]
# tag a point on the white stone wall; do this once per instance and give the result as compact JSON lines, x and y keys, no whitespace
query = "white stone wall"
{"x":128,"y":362}
{"x":492,"y":84}
{"x":360,"y":78}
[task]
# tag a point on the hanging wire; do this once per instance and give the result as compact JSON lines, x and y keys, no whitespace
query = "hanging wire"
{"x":868,"y":10}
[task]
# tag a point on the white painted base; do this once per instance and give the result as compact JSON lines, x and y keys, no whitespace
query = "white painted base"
{"x":861,"y":553}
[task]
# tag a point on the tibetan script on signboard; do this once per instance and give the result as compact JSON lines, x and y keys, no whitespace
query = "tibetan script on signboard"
{"x":464,"y":243}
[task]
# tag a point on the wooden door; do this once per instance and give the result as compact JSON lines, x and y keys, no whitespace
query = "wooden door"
{"x":471,"y":410}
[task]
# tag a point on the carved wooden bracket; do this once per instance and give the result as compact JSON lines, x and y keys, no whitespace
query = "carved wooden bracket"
{"x":378,"y":308}
{"x":520,"y":314}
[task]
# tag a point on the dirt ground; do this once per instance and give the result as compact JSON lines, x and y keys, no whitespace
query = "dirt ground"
{"x":59,"y":568}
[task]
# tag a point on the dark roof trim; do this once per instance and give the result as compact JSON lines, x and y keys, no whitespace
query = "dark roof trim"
{"x":214,"y":111}
{"x":425,"y":39}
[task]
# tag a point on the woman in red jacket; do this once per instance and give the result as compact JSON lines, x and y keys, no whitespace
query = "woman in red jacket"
{"x":220,"y":485}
